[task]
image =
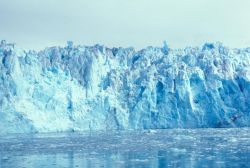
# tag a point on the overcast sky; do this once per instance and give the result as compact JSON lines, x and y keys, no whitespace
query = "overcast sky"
{"x":35,"y":24}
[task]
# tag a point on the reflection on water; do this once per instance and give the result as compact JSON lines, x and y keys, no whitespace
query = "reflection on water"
{"x":161,"y":148}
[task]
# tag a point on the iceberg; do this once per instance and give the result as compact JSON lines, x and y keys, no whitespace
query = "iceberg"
{"x":78,"y":88}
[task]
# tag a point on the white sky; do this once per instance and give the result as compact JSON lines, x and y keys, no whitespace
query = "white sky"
{"x":35,"y":24}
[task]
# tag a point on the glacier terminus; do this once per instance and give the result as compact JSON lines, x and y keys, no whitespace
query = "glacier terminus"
{"x":77,"y":88}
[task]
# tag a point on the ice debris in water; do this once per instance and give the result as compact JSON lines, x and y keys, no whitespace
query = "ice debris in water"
{"x":77,"y":88}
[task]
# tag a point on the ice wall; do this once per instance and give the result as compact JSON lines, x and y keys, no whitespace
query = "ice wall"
{"x":77,"y":88}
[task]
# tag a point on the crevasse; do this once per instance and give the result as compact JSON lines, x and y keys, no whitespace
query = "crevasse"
{"x":77,"y":88}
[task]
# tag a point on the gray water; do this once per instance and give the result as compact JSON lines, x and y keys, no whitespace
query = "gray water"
{"x":160,"y":148}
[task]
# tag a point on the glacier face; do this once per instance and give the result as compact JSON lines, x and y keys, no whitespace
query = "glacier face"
{"x":77,"y":88}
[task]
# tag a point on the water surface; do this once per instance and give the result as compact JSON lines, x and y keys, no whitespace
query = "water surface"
{"x":160,"y":148}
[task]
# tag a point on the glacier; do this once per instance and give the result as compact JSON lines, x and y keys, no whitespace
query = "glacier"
{"x":79,"y":88}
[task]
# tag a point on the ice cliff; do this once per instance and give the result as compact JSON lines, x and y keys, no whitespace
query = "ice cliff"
{"x":77,"y":88}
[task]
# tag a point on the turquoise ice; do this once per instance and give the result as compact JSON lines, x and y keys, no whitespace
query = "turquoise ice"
{"x":77,"y":88}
